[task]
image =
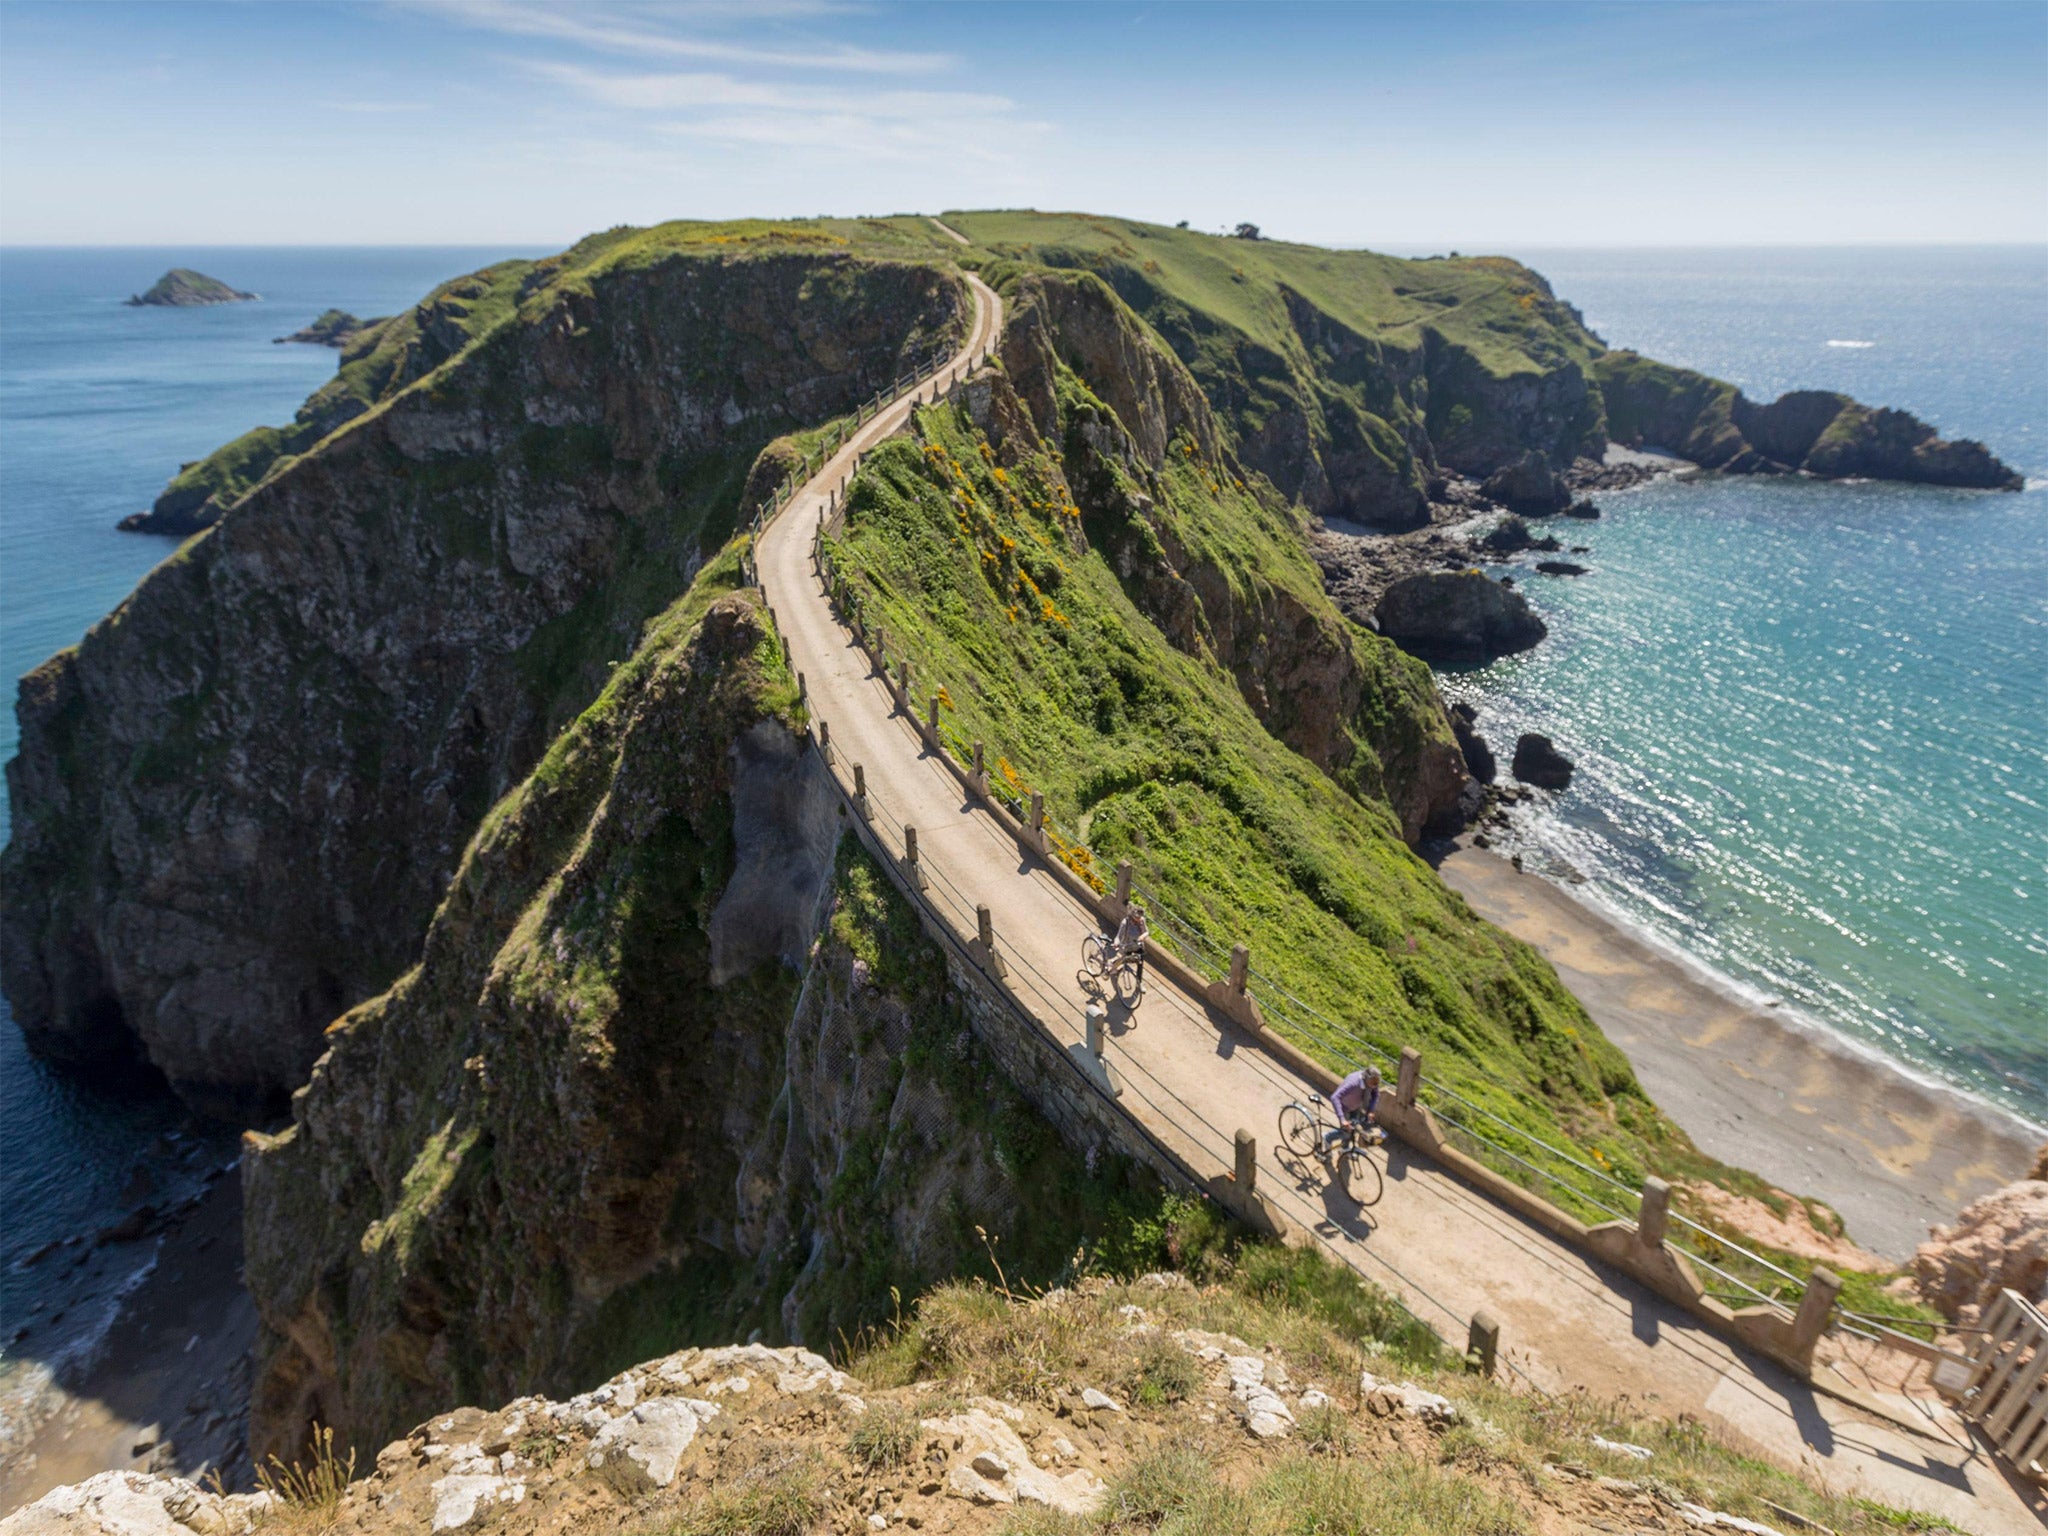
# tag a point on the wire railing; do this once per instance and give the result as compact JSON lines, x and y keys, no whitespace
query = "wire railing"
{"x":1512,"y":1150}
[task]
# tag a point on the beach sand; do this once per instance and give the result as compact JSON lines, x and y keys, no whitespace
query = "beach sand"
{"x":174,"y":1370}
{"x":1755,"y":1087}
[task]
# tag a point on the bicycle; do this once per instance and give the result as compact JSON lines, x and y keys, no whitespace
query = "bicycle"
{"x":1102,"y":960}
{"x":1305,"y":1130}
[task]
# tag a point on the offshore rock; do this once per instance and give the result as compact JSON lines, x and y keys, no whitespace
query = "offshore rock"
{"x":1457,"y":616}
{"x":1539,"y":763}
{"x":1816,"y":431}
{"x":182,"y":288}
{"x":331,"y":328}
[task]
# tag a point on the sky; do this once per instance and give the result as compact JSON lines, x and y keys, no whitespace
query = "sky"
{"x":1409,"y":127}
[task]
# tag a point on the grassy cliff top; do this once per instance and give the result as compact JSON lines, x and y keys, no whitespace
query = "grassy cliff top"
{"x":1497,"y":308}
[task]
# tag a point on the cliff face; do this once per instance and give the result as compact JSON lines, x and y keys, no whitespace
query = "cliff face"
{"x":238,"y":801}
{"x":1224,"y":578}
{"x":623,"y":1101}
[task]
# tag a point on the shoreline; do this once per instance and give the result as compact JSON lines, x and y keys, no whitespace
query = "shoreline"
{"x":172,"y":1373}
{"x":1753,"y":1087}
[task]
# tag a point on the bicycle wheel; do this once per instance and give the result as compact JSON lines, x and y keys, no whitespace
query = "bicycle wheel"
{"x":1298,"y":1130}
{"x":1092,"y":953}
{"x":1127,"y":984}
{"x":1362,"y":1181}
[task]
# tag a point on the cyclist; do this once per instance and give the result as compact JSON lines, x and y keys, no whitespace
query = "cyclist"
{"x":1356,"y":1101}
{"x":1130,"y":940}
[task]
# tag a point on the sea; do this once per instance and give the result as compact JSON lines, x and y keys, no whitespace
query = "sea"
{"x":1808,"y":718}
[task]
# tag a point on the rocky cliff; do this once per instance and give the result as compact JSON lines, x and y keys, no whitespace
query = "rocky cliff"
{"x":1814,"y":431}
{"x":239,"y":799}
{"x":675,"y":1063}
{"x":1229,"y":580}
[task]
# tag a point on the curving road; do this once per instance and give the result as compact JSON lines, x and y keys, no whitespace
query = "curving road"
{"x":1193,"y":1080}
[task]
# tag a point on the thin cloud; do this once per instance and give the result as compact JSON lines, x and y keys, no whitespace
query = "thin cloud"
{"x":635,"y":31}
{"x":376,"y":108}
{"x":707,"y":89}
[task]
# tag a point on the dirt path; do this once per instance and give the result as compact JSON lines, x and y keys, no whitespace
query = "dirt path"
{"x":1193,"y":1080}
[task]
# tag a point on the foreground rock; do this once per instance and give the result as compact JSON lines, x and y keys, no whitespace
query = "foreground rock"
{"x":1479,"y":759}
{"x":331,"y":328}
{"x":1539,"y":763}
{"x":182,"y":288}
{"x":1461,"y":616}
{"x":1999,"y":1241}
{"x":138,"y":1504}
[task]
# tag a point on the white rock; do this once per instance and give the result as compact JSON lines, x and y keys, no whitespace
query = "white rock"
{"x":1314,"y":1397}
{"x":1261,"y":1408}
{"x":1132,"y":1314}
{"x":1415,"y":1402}
{"x":640,"y":1450}
{"x":1164,"y":1281}
{"x":1712,"y":1519}
{"x":878,"y":1522}
{"x":1623,"y":1448}
{"x":1091,"y":1398}
{"x":460,"y":1497}
{"x":136,"y":1504}
{"x":987,"y":1441}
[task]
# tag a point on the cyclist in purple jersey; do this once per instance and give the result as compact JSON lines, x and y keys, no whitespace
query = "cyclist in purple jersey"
{"x":1356,"y":1100}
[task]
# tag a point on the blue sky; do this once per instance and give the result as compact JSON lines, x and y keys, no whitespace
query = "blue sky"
{"x":1425,"y":126}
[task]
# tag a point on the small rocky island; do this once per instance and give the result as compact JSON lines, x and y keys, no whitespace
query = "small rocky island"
{"x":182,"y":288}
{"x":332,"y":328}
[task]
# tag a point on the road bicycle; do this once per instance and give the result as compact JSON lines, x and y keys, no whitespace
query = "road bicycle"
{"x":1305,"y":1130}
{"x":1102,"y":961}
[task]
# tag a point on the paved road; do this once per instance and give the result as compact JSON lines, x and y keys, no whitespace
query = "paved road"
{"x":1193,"y":1079}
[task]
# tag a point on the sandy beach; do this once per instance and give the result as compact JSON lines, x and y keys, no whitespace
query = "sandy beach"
{"x":1755,"y":1087}
{"x":170,"y":1390}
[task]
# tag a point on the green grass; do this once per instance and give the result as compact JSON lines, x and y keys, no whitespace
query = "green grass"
{"x":993,"y":587}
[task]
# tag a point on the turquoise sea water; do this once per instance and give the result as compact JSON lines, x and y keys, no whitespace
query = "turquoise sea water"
{"x":1811,"y":720}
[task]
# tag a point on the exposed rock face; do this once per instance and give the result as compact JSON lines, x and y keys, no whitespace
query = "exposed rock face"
{"x":1479,"y":761}
{"x":1529,"y":487}
{"x":1457,"y":616}
{"x":238,"y":801}
{"x":182,"y":288}
{"x":1999,"y":1241}
{"x":608,"y":1106}
{"x":1321,"y":686}
{"x":331,"y":328}
{"x":1538,"y":762}
{"x":1820,"y":433}
{"x":138,"y":1504}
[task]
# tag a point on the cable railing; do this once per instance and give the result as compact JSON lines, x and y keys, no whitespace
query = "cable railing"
{"x":1510,"y":1150}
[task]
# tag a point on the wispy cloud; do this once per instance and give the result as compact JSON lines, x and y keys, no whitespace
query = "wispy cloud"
{"x":705,"y":89}
{"x":376,"y":108}
{"x":681,"y":32}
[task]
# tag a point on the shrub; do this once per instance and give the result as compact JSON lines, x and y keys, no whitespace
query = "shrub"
{"x":886,"y":1436}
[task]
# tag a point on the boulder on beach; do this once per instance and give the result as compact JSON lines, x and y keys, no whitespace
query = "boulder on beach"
{"x":1529,"y":486}
{"x":182,"y":288}
{"x":1457,"y":616}
{"x":1539,"y":763}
